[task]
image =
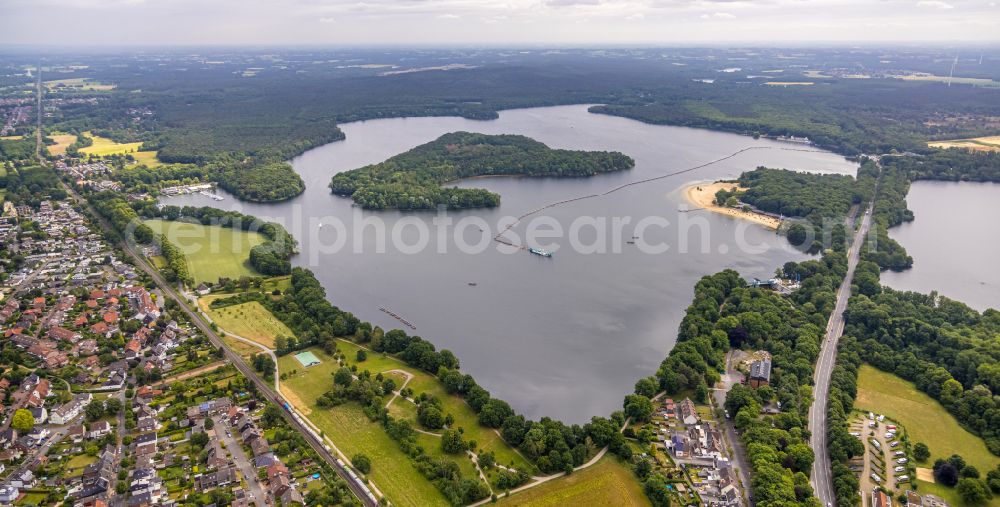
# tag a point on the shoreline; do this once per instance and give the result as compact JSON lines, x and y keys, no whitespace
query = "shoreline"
{"x":702,"y":196}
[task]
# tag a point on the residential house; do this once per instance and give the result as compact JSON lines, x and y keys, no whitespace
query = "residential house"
{"x":687,"y":412}
{"x":760,"y":373}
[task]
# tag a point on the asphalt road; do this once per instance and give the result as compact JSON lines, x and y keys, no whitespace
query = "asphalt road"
{"x":225,"y":433}
{"x":822,"y":477}
{"x":262,"y":387}
{"x":738,"y":455}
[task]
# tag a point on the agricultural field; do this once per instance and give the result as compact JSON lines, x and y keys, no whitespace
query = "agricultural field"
{"x":104,"y":147}
{"x":925,"y":421}
{"x":605,"y":483}
{"x":248,"y":320}
{"x":211,"y":251}
{"x":990,"y":143}
{"x":63,"y":141}
{"x":82,"y":84}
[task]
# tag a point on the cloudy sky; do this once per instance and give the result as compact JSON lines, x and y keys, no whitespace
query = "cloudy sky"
{"x":508,"y":22}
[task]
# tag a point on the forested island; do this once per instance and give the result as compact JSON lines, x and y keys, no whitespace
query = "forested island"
{"x":821,"y":202}
{"x":412,"y":180}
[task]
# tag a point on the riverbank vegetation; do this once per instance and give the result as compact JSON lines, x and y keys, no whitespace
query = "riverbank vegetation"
{"x":412,"y":180}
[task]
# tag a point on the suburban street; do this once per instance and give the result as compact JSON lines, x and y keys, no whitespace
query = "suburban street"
{"x":822,"y":479}
{"x":731,"y":377}
{"x":224,"y":432}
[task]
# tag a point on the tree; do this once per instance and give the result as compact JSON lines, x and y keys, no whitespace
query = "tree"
{"x":638,"y":407}
{"x":921,"y":452}
{"x":430,"y":417}
{"x":451,"y":442}
{"x":969,"y":471}
{"x":95,"y":410}
{"x":23,"y":420}
{"x":643,"y":468}
{"x":647,"y":387}
{"x":799,"y":457}
{"x":945,"y":473}
{"x":362,"y":463}
{"x":973,"y":491}
{"x":209,"y":423}
{"x":494,"y":413}
{"x":361,"y":355}
{"x":343,"y":377}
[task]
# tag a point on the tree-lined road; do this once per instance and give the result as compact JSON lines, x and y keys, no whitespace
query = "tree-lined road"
{"x":822,"y":477}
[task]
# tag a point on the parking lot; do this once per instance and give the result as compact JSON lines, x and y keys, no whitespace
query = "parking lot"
{"x":887,"y":461}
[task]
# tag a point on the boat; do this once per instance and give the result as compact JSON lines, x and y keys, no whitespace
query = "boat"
{"x":539,"y":251}
{"x":472,"y":284}
{"x":630,"y":242}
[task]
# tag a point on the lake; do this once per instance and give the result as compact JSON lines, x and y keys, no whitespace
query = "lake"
{"x":954,"y":240}
{"x":565,"y":336}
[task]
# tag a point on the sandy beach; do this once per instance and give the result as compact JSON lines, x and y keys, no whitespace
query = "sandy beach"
{"x":702,"y":195}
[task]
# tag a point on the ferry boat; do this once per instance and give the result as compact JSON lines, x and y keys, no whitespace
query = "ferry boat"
{"x":539,"y":251}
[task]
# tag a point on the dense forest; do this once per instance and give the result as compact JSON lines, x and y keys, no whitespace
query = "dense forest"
{"x":804,"y":195}
{"x":30,"y":185}
{"x":949,"y":165}
{"x":412,"y":180}
{"x":823,"y":201}
{"x":263,"y":182}
{"x":13,"y":150}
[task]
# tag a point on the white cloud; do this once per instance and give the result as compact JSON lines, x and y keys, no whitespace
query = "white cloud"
{"x":449,"y":16}
{"x":718,"y":15}
{"x":327,"y":19}
{"x":637,"y":15}
{"x":935,"y":4}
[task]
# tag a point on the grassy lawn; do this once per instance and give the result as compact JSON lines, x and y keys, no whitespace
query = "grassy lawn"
{"x":605,"y":483}
{"x":211,"y":251}
{"x":392,"y":471}
{"x":103,"y":146}
{"x":249,"y":320}
{"x":147,"y":158}
{"x":244,"y":349}
{"x":925,"y":420}
{"x":303,"y":387}
{"x":465,"y":417}
{"x":62,"y":142}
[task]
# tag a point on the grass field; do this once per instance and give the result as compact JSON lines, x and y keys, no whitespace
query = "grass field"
{"x":392,"y":471}
{"x":605,"y":483}
{"x":104,"y":147}
{"x":62,"y":142}
{"x":211,"y":251}
{"x":925,"y":420}
{"x":990,"y":143}
{"x":245,"y":350}
{"x":465,"y":417}
{"x":249,"y":320}
{"x":83,"y":84}
{"x":303,"y":387}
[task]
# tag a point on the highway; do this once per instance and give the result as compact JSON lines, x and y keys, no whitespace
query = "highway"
{"x":822,"y":477}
